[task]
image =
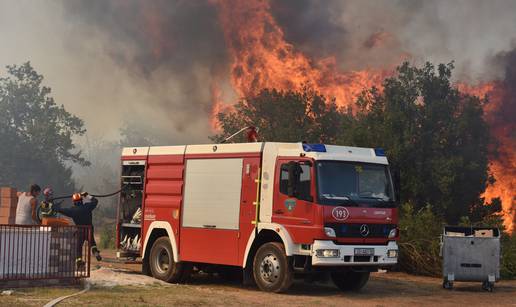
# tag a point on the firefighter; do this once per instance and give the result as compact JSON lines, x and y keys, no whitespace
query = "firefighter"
{"x":81,"y":214}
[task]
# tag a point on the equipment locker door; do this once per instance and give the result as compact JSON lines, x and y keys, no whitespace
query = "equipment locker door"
{"x":211,"y":210}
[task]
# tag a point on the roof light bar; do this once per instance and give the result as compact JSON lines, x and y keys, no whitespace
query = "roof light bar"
{"x":379,"y":152}
{"x":314,"y":147}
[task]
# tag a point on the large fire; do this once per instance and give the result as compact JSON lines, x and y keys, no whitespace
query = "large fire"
{"x":262,"y":58}
{"x":502,"y":165}
{"x":499,"y":114}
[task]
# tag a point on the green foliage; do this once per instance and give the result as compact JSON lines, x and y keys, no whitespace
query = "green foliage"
{"x":36,"y":133}
{"x":285,"y":117}
{"x":419,"y":240}
{"x":508,"y":267}
{"x":107,"y":237}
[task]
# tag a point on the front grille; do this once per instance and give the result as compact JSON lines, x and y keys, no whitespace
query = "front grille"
{"x":354,"y":230}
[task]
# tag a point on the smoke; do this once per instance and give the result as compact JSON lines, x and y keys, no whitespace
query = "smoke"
{"x":378,"y":34}
{"x":153,"y":63}
{"x":121,"y":63}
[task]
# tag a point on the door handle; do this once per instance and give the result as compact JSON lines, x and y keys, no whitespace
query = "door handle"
{"x":209,"y":226}
{"x":279,"y":211}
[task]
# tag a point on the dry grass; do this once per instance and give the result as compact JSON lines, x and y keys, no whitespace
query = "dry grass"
{"x":384,"y":289}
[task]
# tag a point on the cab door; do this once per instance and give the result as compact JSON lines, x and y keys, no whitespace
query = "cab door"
{"x":295,"y":212}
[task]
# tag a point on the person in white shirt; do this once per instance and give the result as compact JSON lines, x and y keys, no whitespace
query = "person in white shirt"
{"x":26,"y":210}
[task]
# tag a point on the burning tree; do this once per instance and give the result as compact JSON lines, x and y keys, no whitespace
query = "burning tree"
{"x":287,"y":116}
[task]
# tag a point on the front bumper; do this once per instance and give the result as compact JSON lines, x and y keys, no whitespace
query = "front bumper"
{"x":347,"y":254}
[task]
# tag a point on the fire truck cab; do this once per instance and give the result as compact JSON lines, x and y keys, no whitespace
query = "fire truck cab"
{"x":269,"y":211}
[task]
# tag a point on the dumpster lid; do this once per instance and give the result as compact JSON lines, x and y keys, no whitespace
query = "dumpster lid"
{"x":479,"y":232}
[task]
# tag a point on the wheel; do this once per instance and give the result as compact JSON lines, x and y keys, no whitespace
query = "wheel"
{"x":162,"y":264}
{"x":350,"y":281}
{"x":447,"y":284}
{"x":488,"y":286}
{"x":272,"y":269}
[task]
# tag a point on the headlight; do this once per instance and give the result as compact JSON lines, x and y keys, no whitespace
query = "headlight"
{"x":329,"y":232}
{"x":392,"y":253}
{"x":392,"y":233}
{"x":327,"y":253}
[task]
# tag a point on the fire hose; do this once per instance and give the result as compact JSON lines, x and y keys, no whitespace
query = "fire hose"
{"x":46,"y":207}
{"x":93,"y":195}
{"x":55,"y":301}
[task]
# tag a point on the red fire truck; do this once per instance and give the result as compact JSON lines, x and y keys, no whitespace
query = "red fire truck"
{"x":270,"y":211}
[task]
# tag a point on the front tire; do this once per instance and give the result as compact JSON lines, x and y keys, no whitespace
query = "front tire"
{"x":350,"y":281}
{"x":272,"y":270}
{"x":162,"y":264}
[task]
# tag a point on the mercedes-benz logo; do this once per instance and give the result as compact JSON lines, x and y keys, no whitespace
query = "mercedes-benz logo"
{"x":364,"y":230}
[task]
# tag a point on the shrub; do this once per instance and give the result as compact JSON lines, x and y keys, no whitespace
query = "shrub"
{"x":508,"y":267}
{"x":419,"y":241}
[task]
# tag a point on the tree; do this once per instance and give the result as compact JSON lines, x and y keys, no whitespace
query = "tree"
{"x":285,"y":116}
{"x":131,"y":135}
{"x":36,"y":133}
{"x":435,"y":135}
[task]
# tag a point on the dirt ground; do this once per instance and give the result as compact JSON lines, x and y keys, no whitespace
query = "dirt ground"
{"x":116,"y":284}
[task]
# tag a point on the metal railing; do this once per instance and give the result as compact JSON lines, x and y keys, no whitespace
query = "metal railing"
{"x":32,"y":252}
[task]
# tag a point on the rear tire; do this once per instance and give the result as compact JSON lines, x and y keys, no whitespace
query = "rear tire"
{"x":350,"y":281}
{"x":272,"y":270}
{"x":448,"y":285}
{"x":162,"y":264}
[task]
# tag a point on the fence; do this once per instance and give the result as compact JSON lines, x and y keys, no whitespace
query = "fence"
{"x":34,"y":252}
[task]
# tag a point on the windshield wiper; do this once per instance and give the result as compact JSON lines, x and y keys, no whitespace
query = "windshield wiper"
{"x":348,"y":201}
{"x":384,"y":201}
{"x":373,"y":197}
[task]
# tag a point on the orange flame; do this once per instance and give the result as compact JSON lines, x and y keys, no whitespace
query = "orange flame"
{"x":262,"y":58}
{"x":217,"y":106}
{"x":502,"y":166}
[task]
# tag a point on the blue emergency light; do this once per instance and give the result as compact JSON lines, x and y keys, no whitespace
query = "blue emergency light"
{"x":314,"y":147}
{"x":379,"y":152}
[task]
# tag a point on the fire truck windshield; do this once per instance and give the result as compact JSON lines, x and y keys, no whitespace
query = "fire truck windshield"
{"x":354,"y":183}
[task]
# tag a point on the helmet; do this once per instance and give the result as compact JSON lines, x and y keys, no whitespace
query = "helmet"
{"x":48,"y":191}
{"x":76,"y":197}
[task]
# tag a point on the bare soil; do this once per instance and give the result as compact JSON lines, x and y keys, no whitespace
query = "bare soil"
{"x":117,"y":284}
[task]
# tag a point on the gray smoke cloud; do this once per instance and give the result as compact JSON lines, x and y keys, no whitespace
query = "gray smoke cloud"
{"x":378,"y":34}
{"x":150,"y":64}
{"x":120,"y":62}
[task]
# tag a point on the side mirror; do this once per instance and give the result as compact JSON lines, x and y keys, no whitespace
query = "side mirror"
{"x":294,"y":173}
{"x":397,"y":184}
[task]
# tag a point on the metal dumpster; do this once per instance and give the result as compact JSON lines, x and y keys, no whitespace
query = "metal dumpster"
{"x":470,"y":254}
